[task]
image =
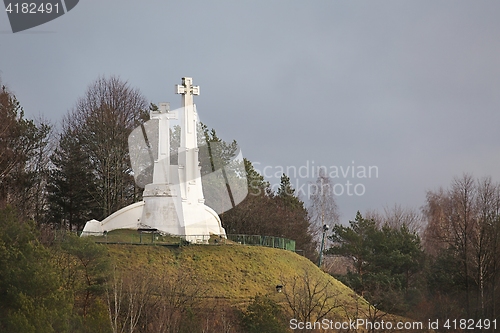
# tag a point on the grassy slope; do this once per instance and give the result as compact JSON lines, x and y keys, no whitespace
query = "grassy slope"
{"x":229,"y":271}
{"x":235,"y":272}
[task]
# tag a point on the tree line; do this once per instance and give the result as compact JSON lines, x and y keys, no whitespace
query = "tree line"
{"x":440,"y":263}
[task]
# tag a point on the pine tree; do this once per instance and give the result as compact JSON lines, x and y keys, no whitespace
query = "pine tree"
{"x":31,"y":299}
{"x":384,"y":260}
{"x":286,"y":193}
{"x":71,"y":185}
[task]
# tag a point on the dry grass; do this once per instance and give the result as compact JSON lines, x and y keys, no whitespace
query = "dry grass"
{"x":235,"y":273}
{"x":230,"y":271}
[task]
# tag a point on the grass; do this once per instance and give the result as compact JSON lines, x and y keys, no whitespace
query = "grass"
{"x":135,"y":237}
{"x":230,"y":271}
{"x":234,"y":272}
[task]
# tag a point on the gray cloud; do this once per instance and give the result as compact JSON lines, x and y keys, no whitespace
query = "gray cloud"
{"x":411,"y":87}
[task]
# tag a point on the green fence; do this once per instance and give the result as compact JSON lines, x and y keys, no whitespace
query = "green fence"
{"x":269,"y":241}
{"x":153,"y":237}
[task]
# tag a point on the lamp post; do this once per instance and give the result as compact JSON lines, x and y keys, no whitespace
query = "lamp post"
{"x":325,"y":229}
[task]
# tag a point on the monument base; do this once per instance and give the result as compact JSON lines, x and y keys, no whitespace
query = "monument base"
{"x":131,"y":217}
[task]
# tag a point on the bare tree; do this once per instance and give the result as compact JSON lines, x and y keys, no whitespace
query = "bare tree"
{"x":220,"y":316}
{"x":127,"y":297}
{"x":437,"y":235}
{"x":102,"y":119}
{"x":451,"y":220}
{"x":114,"y":299}
{"x":310,"y":299}
{"x":139,"y":291}
{"x":173,"y":298}
{"x":396,"y":217}
{"x":465,"y":220}
{"x":365,"y":311}
{"x":38,"y":168}
{"x":485,"y":235}
{"x":323,"y":209}
{"x":463,"y":194}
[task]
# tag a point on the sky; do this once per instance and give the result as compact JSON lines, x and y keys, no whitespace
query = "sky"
{"x":409,"y":90}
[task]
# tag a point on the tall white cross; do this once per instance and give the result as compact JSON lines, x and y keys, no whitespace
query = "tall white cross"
{"x":187,"y":90}
{"x":188,"y":150}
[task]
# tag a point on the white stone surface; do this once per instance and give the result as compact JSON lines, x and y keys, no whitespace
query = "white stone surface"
{"x":173,"y":203}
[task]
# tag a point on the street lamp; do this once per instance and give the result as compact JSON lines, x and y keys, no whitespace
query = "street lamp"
{"x":325,"y":229}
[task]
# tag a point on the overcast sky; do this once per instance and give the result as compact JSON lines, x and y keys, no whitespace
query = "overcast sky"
{"x":409,"y":87}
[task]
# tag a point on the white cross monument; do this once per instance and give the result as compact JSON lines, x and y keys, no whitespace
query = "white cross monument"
{"x":173,"y":200}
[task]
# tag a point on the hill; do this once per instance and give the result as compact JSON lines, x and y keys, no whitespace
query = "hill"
{"x":217,"y":281}
{"x":235,"y":272}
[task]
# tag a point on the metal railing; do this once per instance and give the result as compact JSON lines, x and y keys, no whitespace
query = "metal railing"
{"x":269,"y":241}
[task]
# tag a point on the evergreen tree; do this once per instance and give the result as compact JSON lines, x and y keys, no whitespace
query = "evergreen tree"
{"x":286,"y":192}
{"x":263,"y":212}
{"x":85,"y":270}
{"x":222,"y":171}
{"x":293,"y":218}
{"x":251,"y":216}
{"x":23,"y":166}
{"x":354,"y":242}
{"x":255,"y":181}
{"x":264,"y":315}
{"x":215,"y":153}
{"x":71,"y":205}
{"x":385,"y":261}
{"x":30,"y":296}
